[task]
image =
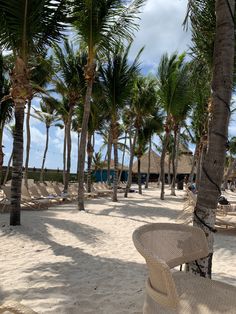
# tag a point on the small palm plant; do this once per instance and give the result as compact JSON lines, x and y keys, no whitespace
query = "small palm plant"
{"x":27,"y":27}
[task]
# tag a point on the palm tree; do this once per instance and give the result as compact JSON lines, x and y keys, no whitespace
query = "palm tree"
{"x":41,"y":75}
{"x":99,"y":24}
{"x":76,"y":127}
{"x":219,"y":113}
{"x":172,"y":84}
{"x":6,"y":107}
{"x":49,"y":117}
{"x":10,"y":128}
{"x":27,"y":26}
{"x":98,"y":163}
{"x":70,"y":83}
{"x":117,"y":80}
{"x":145,"y":111}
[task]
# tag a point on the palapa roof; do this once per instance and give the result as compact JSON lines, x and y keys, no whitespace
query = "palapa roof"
{"x":185,"y":161}
{"x":154,"y":164}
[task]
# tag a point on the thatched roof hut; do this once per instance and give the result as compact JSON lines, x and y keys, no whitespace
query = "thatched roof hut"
{"x":155,"y":164}
{"x":185,"y":161}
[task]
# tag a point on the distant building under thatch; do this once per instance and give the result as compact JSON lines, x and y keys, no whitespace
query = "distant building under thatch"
{"x":185,"y":161}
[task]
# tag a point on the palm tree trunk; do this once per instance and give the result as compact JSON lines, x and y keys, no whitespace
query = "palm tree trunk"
{"x":149,"y":163}
{"x":213,"y":164}
{"x":20,"y":92}
{"x":132,"y":145}
{"x":8,"y":168}
{"x":28,"y":140}
{"x":201,"y":157}
{"x":115,"y":127}
{"x":78,"y":141}
{"x":169,"y":168}
{"x":90,"y":157}
{"x":163,"y":155}
{"x":1,"y":152}
{"x":109,"y":148}
{"x":231,"y":167}
{"x":139,"y":176}
{"x":123,"y":159}
{"x":195,"y":157}
{"x":175,"y":160}
{"x":68,"y":140}
{"x":173,"y":164}
{"x":90,"y":76}
{"x":45,"y":153}
{"x":18,"y":148}
{"x":64,"y":153}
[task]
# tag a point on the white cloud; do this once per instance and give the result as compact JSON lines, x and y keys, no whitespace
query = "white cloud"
{"x":37,"y":137}
{"x":161,"y":30}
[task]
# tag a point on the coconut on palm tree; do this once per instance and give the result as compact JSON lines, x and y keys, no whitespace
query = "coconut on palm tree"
{"x":27,"y":27}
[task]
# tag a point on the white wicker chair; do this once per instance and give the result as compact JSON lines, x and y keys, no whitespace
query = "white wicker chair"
{"x":165,"y":246}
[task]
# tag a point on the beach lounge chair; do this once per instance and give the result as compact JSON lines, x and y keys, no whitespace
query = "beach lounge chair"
{"x":44,"y":193}
{"x":165,"y":246}
{"x":13,"y":307}
{"x":100,"y":190}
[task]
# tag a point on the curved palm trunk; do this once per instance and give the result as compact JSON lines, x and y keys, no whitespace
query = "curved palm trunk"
{"x":64,"y":153}
{"x":149,"y":163}
{"x":68,"y":142}
{"x":213,"y":164}
{"x":175,"y":160}
{"x":109,"y":148}
{"x":28,"y":140}
{"x":132,"y":145}
{"x":18,"y":148}
{"x":8,"y":169}
{"x":89,"y":76}
{"x":123,"y":159}
{"x":163,"y":155}
{"x":90,"y":157}
{"x":139,"y":176}
{"x":45,"y":153}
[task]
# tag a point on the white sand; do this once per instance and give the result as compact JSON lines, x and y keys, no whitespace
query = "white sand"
{"x":65,"y":261}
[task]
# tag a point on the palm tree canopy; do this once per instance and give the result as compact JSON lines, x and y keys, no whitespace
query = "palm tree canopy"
{"x":173,"y":81}
{"x":99,"y":22}
{"x":117,"y":77}
{"x":69,"y":64}
{"x":29,"y":25}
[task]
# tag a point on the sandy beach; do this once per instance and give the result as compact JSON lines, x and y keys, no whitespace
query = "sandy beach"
{"x":64,"y":261}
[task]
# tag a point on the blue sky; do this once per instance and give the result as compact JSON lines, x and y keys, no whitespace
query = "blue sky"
{"x":160,"y":31}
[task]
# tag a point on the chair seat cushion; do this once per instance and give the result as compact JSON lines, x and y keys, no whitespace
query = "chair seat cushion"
{"x":197,"y":295}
